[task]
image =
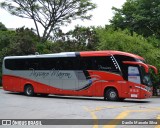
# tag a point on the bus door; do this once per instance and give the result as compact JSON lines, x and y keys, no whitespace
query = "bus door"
{"x":134,"y":81}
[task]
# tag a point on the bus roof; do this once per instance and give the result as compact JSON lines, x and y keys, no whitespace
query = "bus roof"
{"x":83,"y":54}
{"x":109,"y":52}
{"x":62,"y":54}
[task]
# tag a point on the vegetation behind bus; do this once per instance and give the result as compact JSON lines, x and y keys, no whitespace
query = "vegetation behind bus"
{"x":24,"y":42}
{"x":117,"y":36}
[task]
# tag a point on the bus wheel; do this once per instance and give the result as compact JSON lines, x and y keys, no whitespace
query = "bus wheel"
{"x":28,"y":90}
{"x":111,"y":95}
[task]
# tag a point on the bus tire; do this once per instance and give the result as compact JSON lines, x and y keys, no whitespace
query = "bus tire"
{"x":28,"y":90}
{"x":111,"y":94}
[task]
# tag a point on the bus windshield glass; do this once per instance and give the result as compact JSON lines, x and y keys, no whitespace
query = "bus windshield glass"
{"x":146,"y":78}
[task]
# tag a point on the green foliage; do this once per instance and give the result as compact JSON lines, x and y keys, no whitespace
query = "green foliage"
{"x":154,"y":41}
{"x":5,"y":38}
{"x":2,"y":27}
{"x":83,"y":37}
{"x":44,"y":48}
{"x":50,"y":14}
{"x":122,"y":40}
{"x":22,"y":43}
{"x":140,"y":16}
{"x":79,"y":39}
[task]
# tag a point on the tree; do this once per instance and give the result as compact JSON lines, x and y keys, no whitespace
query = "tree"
{"x":140,"y":16}
{"x":2,"y":27}
{"x":5,"y":38}
{"x":50,"y":14}
{"x":22,"y":41}
{"x":123,"y":40}
{"x":82,"y":38}
{"x":79,"y":39}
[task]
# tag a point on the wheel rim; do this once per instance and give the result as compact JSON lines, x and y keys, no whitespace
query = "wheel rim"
{"x":29,"y":91}
{"x":113,"y":95}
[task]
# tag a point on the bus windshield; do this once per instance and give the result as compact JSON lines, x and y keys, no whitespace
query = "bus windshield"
{"x":146,"y":78}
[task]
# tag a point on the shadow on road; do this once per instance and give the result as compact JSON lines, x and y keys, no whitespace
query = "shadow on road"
{"x":83,"y":98}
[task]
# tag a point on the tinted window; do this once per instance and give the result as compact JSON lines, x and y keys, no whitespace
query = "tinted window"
{"x":124,"y":67}
{"x":86,"y":63}
{"x":69,"y":63}
{"x":63,"y":63}
{"x":10,"y":64}
{"x":105,"y":64}
{"x":102,"y":63}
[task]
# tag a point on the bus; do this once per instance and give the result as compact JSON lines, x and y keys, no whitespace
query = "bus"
{"x":114,"y":75}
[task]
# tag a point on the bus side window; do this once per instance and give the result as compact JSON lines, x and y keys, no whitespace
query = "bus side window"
{"x":10,"y":64}
{"x":105,"y":64}
{"x":71,"y":63}
{"x":86,"y":63}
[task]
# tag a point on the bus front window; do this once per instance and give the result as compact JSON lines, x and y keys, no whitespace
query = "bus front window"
{"x":146,"y":78}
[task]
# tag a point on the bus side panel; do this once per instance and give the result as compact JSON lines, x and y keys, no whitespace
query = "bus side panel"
{"x":102,"y":80}
{"x":124,"y":89}
{"x":17,"y":87}
{"x":87,"y":91}
{"x":16,"y":84}
{"x":12,"y":83}
{"x":7,"y":83}
{"x":40,"y":87}
{"x":98,"y":91}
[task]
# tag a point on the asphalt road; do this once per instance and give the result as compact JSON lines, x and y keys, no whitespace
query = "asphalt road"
{"x":18,"y":106}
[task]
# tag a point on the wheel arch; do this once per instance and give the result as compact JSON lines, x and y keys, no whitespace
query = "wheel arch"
{"x":29,"y":90}
{"x":27,"y":84}
{"x":110,"y":87}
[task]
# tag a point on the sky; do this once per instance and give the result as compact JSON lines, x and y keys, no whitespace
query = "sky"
{"x":101,"y":16}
